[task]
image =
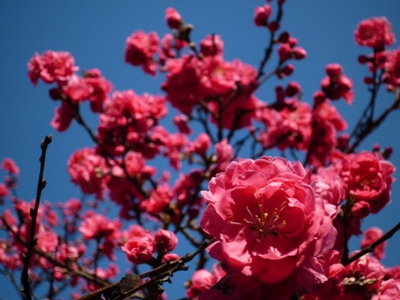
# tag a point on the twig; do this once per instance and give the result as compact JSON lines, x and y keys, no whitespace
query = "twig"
{"x":268,"y":51}
{"x":78,"y":272}
{"x":25,"y":280}
{"x":372,"y":247}
{"x":129,"y":284}
{"x":374,"y":124}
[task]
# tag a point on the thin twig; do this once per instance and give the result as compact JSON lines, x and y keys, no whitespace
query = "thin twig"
{"x":25,"y":280}
{"x":375,"y":244}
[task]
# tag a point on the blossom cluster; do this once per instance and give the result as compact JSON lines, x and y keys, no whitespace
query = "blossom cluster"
{"x":278,"y":229}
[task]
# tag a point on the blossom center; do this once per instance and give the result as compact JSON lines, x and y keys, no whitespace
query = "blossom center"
{"x":263,"y":219}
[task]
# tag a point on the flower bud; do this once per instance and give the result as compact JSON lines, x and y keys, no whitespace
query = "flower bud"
{"x":261,"y":15}
{"x":173,"y":18}
{"x":333,"y":70}
{"x":165,"y":241}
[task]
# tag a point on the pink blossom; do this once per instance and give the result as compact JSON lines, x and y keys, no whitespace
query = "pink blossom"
{"x":47,"y":240}
{"x":3,"y":191}
{"x":159,"y":199}
{"x":140,"y":49}
{"x":392,"y":67}
{"x":139,"y":247}
{"x":77,"y":89}
{"x":212,"y":45}
{"x":87,"y":170}
{"x":337,"y":85}
{"x":390,"y":290}
{"x":261,"y":15}
{"x":72,"y":207}
{"x":98,"y":226}
{"x":184,"y":86}
{"x":173,"y":18}
{"x":100,"y":89}
{"x":370,"y":236}
{"x":330,"y":186}
{"x":334,"y":70}
{"x":165,"y":241}
{"x":128,"y":116}
{"x":326,"y":111}
{"x":293,"y":122}
{"x":374,"y":33}
{"x":202,"y":280}
{"x":8,"y":165}
{"x":170,"y":257}
{"x":368,"y":178}
{"x":264,"y":215}
{"x":63,"y":116}
{"x":201,"y":144}
{"x":361,"y":278}
{"x":360,"y":209}
{"x":51,"y":66}
{"x":292,"y":89}
{"x":134,"y":163}
{"x":224,"y":153}
{"x":181,"y":121}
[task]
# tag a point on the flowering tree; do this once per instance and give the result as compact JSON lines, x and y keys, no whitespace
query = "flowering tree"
{"x":276,"y":227}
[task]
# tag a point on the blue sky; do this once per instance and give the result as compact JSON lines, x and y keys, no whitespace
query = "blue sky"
{"x":95,"y":33}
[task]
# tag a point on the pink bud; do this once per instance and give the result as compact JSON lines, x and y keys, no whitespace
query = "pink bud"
{"x":173,"y":18}
{"x":293,"y":88}
{"x":368,"y":80}
{"x":299,"y":53}
{"x":284,"y":52}
{"x":181,"y":121}
{"x":387,"y":152}
{"x":344,"y":83}
{"x":165,"y":241}
{"x":362,"y":59}
{"x":325,"y":83}
{"x":9,"y":166}
{"x":211,"y":45}
{"x":319,"y":97}
{"x":376,"y":147}
{"x":273,"y":26}
{"x":288,"y":69}
{"x":333,"y":70}
{"x":284,"y":37}
{"x":261,"y":15}
{"x":170,"y":257}
{"x":292,"y":41}
{"x":201,"y":144}
{"x":280,"y":94}
{"x":360,"y":210}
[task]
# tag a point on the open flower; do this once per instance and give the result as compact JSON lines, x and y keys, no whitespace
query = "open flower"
{"x":266,"y":218}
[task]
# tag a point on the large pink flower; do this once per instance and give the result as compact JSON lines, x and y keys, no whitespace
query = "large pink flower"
{"x":374,"y":33}
{"x":266,"y":218}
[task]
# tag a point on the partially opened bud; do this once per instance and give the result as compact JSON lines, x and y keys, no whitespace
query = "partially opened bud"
{"x":261,"y":15}
{"x":173,"y":18}
{"x":165,"y":241}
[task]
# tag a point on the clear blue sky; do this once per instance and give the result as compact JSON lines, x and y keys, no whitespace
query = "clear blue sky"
{"x":95,"y":33}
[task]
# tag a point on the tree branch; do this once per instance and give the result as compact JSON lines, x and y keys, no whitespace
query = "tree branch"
{"x":25,"y":280}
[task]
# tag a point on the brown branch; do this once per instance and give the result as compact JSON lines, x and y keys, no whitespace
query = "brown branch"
{"x":375,"y":244}
{"x":129,"y":285}
{"x":371,"y":126}
{"x":25,"y":280}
